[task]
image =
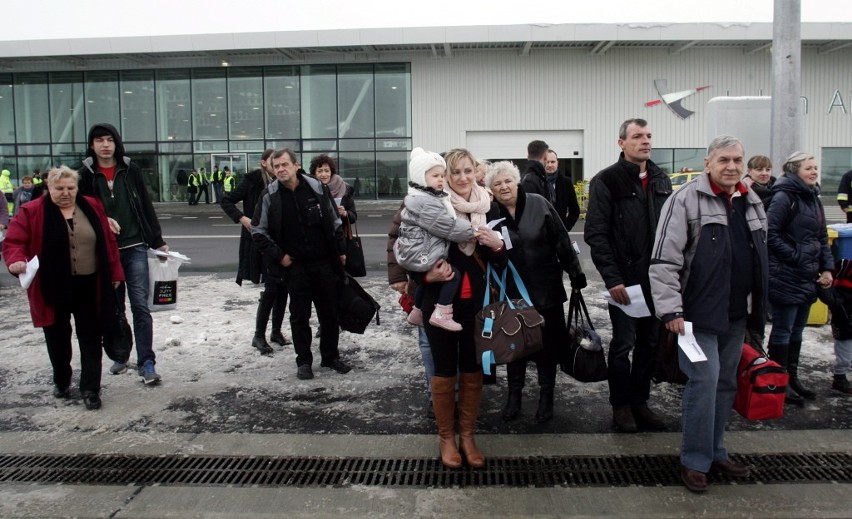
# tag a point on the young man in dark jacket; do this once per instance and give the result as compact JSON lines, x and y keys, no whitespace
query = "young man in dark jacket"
{"x":300,"y":230}
{"x":625,"y":200}
{"x":111,"y":176}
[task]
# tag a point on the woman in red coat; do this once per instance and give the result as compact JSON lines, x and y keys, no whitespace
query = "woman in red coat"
{"x":78,"y":270}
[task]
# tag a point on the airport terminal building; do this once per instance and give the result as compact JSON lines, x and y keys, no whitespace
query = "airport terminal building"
{"x":369,"y":96}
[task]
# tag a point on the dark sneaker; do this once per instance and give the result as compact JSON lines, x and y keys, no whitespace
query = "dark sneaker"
{"x":92,"y":400}
{"x":731,"y":468}
{"x":148,"y":373}
{"x":695,"y":481}
{"x":118,"y":368}
{"x":648,"y":420}
{"x":304,"y":372}
{"x":622,"y":418}
{"x":280,"y":338}
{"x":841,"y":384}
{"x":337,"y":365}
{"x":260,"y":343}
{"x":61,"y":392}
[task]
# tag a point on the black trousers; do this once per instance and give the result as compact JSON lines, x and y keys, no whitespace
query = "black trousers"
{"x":313,"y":283}
{"x":452,"y":352}
{"x":630,"y":385}
{"x":58,"y":336}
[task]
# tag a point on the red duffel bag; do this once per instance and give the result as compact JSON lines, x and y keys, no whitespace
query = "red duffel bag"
{"x":761,"y":386}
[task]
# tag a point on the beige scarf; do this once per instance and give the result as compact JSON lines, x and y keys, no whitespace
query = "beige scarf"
{"x":473,"y":210}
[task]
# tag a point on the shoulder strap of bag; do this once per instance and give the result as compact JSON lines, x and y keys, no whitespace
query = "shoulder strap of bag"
{"x":347,"y":229}
{"x":583,"y":311}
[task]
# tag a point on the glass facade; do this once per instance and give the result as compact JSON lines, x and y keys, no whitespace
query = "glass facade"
{"x":175,"y":119}
{"x":834,"y":164}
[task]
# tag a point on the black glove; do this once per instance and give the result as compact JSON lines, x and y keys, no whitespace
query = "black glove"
{"x":578,"y":282}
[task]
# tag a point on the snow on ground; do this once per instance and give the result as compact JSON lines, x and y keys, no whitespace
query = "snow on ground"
{"x":214,"y":381}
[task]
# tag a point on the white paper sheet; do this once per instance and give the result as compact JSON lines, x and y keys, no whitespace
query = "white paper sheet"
{"x":637,"y":306}
{"x":689,"y":344}
{"x":27,"y":277}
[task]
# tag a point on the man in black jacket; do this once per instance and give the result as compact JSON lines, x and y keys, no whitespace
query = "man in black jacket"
{"x":625,"y":201}
{"x":117,"y":182}
{"x":565,"y":198}
{"x":299,"y":229}
{"x":843,"y":191}
{"x":534,"y":179}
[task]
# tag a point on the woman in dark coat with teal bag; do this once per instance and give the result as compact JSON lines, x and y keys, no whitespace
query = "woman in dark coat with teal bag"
{"x":799,"y":259}
{"x":541,"y":250}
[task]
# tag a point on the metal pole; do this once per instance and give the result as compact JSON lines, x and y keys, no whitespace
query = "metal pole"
{"x":787,"y":81}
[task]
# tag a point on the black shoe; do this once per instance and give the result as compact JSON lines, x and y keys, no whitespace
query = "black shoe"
{"x":513,"y":406}
{"x":804,"y":392}
{"x":65,"y":392}
{"x":622,"y":418}
{"x":260,"y":343}
{"x":840,"y":384}
{"x":793,"y":398}
{"x":279,"y":338}
{"x":545,"y":406}
{"x":92,"y":400}
{"x":304,"y":372}
{"x":337,"y":365}
{"x":647,"y":420}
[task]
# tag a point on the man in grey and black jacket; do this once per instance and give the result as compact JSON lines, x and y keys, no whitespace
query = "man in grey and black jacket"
{"x":709,"y":260}
{"x":625,"y":200}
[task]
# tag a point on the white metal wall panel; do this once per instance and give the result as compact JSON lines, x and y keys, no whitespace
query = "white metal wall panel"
{"x":513,"y":144}
{"x":559,"y":90}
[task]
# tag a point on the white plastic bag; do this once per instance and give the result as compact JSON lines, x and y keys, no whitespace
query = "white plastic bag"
{"x":162,"y":279}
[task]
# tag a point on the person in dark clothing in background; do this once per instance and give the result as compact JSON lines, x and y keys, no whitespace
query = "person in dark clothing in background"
{"x":565,"y":198}
{"x":252,"y":265}
{"x":843,"y":191}
{"x":625,"y":200}
{"x":298,"y":227}
{"x":534,"y":179}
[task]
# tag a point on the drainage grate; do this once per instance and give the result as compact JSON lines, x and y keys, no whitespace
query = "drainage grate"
{"x":565,"y":471}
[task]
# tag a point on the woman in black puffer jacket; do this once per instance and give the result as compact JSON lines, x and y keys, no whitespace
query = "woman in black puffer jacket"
{"x":799,"y":259}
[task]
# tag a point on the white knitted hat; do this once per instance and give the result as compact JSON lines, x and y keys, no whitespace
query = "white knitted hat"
{"x":421,"y":162}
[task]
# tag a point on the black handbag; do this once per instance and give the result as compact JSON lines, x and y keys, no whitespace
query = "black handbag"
{"x":355,"y":307}
{"x":507,"y":329}
{"x":118,"y":338}
{"x":583,"y":358}
{"x":355,"y":264}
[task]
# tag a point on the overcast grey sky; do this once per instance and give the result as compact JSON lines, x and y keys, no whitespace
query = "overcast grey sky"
{"x":47,"y":19}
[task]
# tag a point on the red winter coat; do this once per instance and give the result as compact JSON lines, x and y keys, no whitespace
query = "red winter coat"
{"x":23,"y":241}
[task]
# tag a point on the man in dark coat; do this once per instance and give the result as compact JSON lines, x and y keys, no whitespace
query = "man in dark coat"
{"x":565,"y":198}
{"x":843,"y":191}
{"x":625,"y":200}
{"x":274,"y":296}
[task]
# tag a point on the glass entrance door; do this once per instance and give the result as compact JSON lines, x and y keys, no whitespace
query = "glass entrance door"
{"x":236,"y":163}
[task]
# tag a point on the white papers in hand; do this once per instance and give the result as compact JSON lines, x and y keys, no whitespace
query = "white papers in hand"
{"x":689,"y":344}
{"x":637,"y":306}
{"x":493,"y":223}
{"x":27,"y":277}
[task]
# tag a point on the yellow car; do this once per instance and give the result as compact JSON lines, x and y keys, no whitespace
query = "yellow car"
{"x":682,"y":177}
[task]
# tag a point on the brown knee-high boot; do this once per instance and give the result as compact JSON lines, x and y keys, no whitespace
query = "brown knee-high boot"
{"x":444,"y":403}
{"x":470,"y":395}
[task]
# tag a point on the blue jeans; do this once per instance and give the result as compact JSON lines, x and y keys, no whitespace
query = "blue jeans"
{"x":709,"y":396}
{"x":426,"y":355}
{"x":788,"y":321}
{"x":842,"y":356}
{"x":134,"y":260}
